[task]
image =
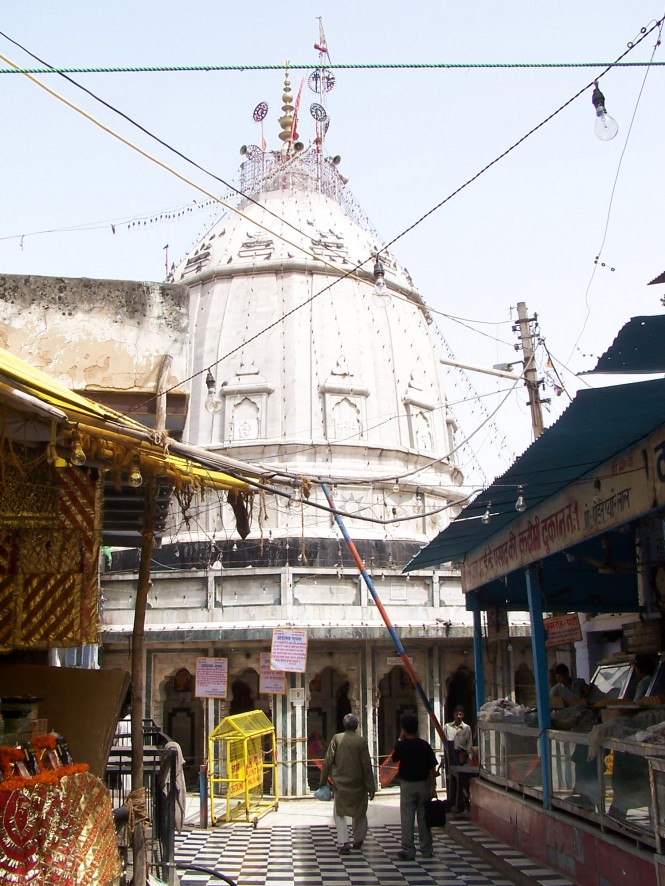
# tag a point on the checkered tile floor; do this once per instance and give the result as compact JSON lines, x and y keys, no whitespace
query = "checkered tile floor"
{"x":284,"y":856}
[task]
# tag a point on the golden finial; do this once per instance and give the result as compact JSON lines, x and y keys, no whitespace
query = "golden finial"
{"x":286,"y":121}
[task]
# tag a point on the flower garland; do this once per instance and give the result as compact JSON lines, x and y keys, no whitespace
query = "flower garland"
{"x":51,"y":777}
{"x":44,"y":742}
{"x":10,"y":756}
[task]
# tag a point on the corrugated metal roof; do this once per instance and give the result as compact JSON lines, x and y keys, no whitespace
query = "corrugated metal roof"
{"x":638,"y":348}
{"x":598,"y":425}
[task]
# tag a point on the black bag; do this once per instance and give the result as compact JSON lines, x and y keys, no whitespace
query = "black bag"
{"x":435,"y":813}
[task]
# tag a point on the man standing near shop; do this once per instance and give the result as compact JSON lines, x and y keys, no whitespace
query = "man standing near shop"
{"x":459,"y":746}
{"x":347,"y":760}
{"x":417,"y":786}
{"x":459,"y":733}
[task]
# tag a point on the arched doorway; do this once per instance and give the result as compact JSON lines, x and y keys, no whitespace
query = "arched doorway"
{"x":461,"y":690}
{"x":183,"y":722}
{"x":397,"y":697}
{"x":245,"y":696}
{"x":328,"y":703}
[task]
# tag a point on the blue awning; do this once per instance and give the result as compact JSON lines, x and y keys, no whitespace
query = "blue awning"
{"x":598,"y":425}
{"x":638,"y":348}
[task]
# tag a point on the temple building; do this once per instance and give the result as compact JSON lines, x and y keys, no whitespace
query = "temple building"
{"x":289,"y":339}
{"x":311,"y":355}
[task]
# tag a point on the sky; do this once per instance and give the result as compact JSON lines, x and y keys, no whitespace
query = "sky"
{"x":565,"y":223}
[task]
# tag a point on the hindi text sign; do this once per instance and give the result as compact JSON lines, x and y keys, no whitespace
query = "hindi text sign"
{"x":562,"y":629}
{"x":211,"y":677}
{"x":289,"y":650}
{"x":272,"y":682}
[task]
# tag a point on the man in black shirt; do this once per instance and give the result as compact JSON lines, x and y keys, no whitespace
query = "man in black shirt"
{"x":417,"y":779}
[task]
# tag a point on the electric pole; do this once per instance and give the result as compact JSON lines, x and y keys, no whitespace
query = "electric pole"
{"x":530,"y":372}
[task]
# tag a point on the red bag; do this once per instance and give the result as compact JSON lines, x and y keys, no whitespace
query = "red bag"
{"x":387,"y":771}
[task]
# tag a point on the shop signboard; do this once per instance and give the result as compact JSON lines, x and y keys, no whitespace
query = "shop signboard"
{"x":641,"y":636}
{"x":618,"y":491}
{"x":656,"y":459}
{"x":562,"y":629}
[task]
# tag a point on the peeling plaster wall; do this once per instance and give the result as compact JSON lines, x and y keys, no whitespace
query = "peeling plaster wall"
{"x":96,"y":334}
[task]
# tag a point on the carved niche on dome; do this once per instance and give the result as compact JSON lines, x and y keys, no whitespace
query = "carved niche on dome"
{"x":246,"y":404}
{"x":343,"y":404}
{"x":419,"y":406}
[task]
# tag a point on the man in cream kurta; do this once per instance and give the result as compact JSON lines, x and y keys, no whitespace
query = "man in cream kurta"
{"x":348,"y":761}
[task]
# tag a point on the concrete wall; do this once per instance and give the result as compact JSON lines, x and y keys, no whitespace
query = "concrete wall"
{"x":96,"y":335}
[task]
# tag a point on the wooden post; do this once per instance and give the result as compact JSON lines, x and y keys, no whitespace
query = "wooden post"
{"x":530,"y":372}
{"x":139,"y":675}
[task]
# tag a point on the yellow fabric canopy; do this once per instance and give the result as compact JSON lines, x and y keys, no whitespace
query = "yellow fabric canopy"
{"x":110,"y":430}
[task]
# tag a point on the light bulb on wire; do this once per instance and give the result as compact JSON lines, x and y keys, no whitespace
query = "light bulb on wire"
{"x":380,"y":286}
{"x":78,"y":455}
{"x":212,"y":404}
{"x":486,"y":516}
{"x":520,"y":504}
{"x":605,"y":127}
{"x":135,"y":478}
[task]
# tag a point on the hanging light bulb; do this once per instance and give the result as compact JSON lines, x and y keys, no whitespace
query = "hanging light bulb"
{"x":135,"y":478}
{"x":380,"y":287}
{"x":486,"y":516}
{"x":605,"y":127}
{"x":212,"y":402}
{"x":520,"y":504}
{"x":78,"y":455}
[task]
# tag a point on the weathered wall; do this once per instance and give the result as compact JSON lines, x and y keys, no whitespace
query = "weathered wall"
{"x":96,"y":335}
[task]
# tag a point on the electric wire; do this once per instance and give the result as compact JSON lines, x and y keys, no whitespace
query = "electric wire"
{"x":390,"y":243}
{"x":351,"y":271}
{"x":316,"y":258}
{"x":453,"y":194}
{"x":349,"y":66}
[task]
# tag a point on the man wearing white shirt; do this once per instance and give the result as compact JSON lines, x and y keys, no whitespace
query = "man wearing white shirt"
{"x":459,"y":744}
{"x":459,"y":733}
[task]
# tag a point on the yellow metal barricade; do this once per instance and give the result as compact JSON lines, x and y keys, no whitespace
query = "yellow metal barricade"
{"x":242,"y":759}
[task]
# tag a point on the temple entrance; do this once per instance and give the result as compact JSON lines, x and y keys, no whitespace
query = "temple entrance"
{"x":329,"y":702}
{"x":183,"y":722}
{"x":461,"y":689}
{"x":397,"y":697}
{"x":244,"y":696}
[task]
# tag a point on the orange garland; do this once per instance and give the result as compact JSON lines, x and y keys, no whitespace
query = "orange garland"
{"x":44,"y":742}
{"x":52,"y":777}
{"x":9,"y":756}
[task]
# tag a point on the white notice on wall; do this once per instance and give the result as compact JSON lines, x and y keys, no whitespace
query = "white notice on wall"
{"x":272,"y":682}
{"x":289,"y":650}
{"x":211,"y":677}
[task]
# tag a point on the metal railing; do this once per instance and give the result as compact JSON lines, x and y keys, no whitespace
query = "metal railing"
{"x":159,"y":767}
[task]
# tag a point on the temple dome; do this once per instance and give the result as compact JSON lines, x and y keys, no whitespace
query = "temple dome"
{"x":317,"y":374}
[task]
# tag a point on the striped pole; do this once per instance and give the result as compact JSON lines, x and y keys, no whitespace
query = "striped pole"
{"x":406,"y":661}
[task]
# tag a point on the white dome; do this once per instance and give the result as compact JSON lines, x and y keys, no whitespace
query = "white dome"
{"x":317,"y":373}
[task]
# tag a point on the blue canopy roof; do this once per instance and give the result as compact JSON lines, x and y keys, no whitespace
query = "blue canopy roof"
{"x":638,"y":348}
{"x":597,"y":426}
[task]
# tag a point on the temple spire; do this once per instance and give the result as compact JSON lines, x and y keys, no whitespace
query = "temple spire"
{"x":286,"y":120}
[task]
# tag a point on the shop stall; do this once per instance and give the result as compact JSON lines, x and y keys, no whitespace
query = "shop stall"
{"x":74,"y":474}
{"x":574,"y":526}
